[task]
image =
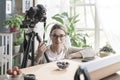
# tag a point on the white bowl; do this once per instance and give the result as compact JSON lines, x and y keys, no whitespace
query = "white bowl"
{"x":62,"y":65}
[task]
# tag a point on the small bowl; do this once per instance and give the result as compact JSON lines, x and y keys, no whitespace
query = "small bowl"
{"x":62,"y":65}
{"x":29,"y":77}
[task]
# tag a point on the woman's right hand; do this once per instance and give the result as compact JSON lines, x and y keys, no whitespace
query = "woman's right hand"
{"x":41,"y":49}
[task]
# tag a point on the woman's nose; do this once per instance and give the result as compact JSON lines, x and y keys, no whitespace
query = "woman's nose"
{"x":58,"y":39}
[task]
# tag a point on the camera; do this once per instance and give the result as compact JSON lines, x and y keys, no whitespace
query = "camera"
{"x":34,"y":15}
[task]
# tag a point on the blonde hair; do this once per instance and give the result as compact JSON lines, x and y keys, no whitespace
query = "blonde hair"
{"x":58,"y":26}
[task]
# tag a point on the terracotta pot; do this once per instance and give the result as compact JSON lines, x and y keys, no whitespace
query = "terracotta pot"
{"x":13,"y":29}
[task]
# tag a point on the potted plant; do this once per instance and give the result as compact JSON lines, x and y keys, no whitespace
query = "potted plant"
{"x":14,"y":22}
{"x":77,"y":39}
{"x":106,"y":50}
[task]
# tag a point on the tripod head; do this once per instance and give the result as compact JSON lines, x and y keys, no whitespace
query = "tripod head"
{"x":33,"y":16}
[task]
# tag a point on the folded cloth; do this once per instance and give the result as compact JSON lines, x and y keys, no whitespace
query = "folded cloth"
{"x":88,"y":52}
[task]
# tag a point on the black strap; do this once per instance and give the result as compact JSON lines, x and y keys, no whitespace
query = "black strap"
{"x":80,"y":71}
{"x":46,"y":57}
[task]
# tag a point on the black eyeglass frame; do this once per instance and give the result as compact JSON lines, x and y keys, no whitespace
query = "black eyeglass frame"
{"x":61,"y":36}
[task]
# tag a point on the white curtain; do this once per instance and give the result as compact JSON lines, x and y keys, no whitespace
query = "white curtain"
{"x":109,"y":19}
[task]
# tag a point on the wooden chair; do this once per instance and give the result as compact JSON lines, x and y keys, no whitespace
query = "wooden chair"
{"x":6,"y":48}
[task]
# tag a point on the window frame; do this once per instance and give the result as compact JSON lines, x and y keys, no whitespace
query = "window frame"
{"x":96,"y":28}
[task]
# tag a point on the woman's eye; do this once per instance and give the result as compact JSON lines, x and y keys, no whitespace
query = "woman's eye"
{"x":61,"y":35}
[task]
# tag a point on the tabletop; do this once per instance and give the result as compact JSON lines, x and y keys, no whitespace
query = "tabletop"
{"x":50,"y":71}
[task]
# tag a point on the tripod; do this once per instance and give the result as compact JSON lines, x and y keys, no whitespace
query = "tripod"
{"x":29,"y":46}
{"x":33,"y":16}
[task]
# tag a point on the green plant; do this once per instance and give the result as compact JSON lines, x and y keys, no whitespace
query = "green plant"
{"x":107,"y":48}
{"x":14,"y":21}
{"x":19,"y":39}
{"x":77,"y":39}
{"x":106,"y":51}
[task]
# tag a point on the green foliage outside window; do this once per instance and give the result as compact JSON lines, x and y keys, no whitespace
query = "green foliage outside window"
{"x":77,"y":39}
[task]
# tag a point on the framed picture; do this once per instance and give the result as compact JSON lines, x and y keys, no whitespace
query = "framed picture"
{"x":8,"y":6}
{"x":26,"y":4}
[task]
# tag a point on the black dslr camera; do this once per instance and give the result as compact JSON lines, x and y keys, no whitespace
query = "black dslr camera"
{"x":33,"y":16}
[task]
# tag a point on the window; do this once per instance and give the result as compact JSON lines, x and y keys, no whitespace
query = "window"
{"x":87,"y":15}
{"x":86,"y":11}
{"x":88,"y":22}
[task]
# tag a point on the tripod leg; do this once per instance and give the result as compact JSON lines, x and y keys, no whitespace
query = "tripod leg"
{"x":26,"y":53}
{"x":32,"y":48}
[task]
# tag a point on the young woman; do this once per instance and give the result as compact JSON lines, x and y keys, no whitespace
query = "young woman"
{"x":57,"y":49}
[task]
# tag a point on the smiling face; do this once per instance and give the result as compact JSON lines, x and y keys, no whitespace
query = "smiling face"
{"x":58,"y":35}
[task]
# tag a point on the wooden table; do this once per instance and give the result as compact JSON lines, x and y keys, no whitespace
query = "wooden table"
{"x":50,"y":71}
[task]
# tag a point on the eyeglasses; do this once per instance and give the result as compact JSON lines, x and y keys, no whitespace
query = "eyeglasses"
{"x":61,"y":36}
